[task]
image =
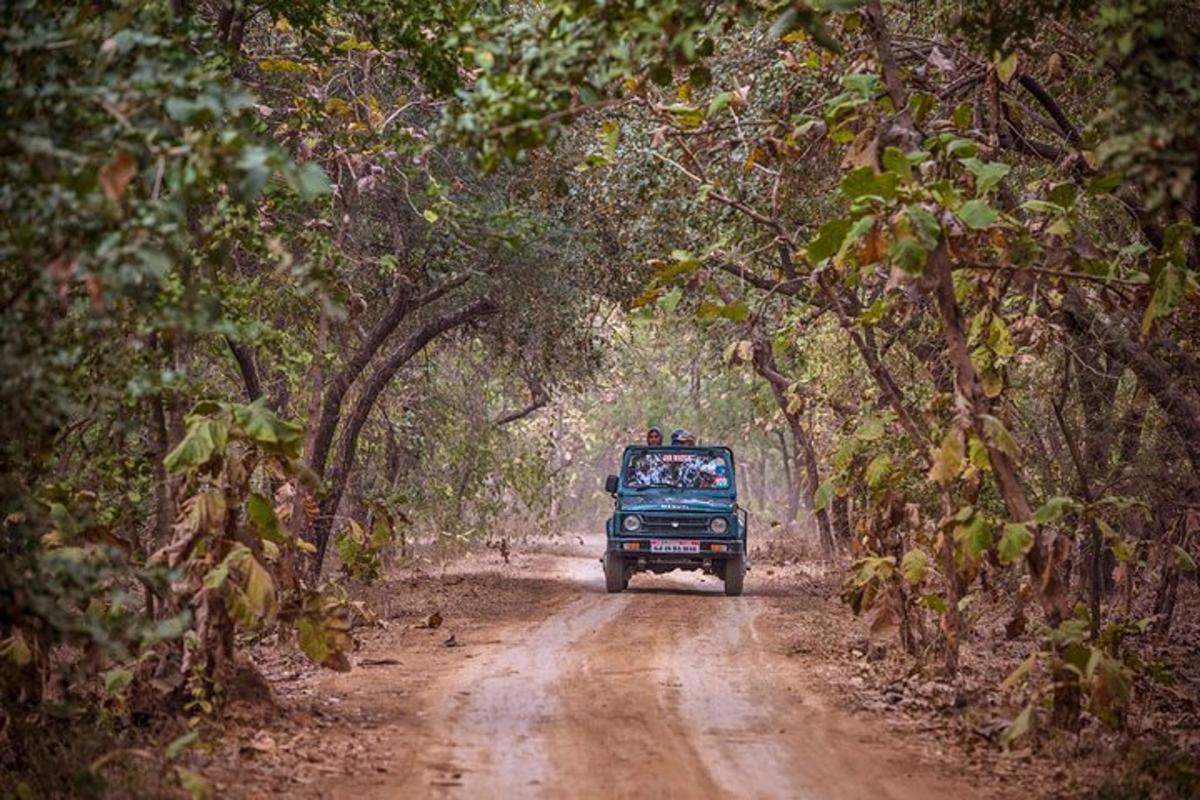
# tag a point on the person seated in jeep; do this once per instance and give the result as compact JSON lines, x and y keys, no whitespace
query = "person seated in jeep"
{"x":681,"y":438}
{"x":654,"y":437}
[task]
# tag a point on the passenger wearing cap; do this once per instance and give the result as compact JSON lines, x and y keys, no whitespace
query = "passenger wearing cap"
{"x":681,"y":438}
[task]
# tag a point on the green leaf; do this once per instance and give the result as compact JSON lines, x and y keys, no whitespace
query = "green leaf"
{"x":1169,"y":277}
{"x":1042,"y":207}
{"x":963,"y":116}
{"x":324,"y":636}
{"x":976,"y":535}
{"x":914,"y":566}
{"x":1006,"y":67}
{"x":1019,"y":727}
{"x":1120,"y":550}
{"x":870,"y":430}
{"x":998,"y":339}
{"x":925,"y":225}
{"x":117,"y":680}
{"x":977,"y":214}
{"x":718,"y":104}
{"x":1064,"y":194}
{"x":261,"y":425}
{"x":999,"y":437}
{"x":878,"y":470}
{"x":866,"y":182}
{"x":216,"y":577}
{"x":908,"y":255}
{"x":933,"y":602}
{"x":1053,"y":509}
{"x":873,"y":313}
{"x":205,"y":438}
{"x":828,"y":240}
{"x":962,"y":148}
{"x":15,"y":650}
{"x":1103,"y":184}
{"x":670,"y":300}
{"x":987,"y":173}
{"x":259,"y":589}
{"x":259,"y":510}
{"x":700,"y":76}
{"x":1017,"y":675}
{"x":1015,"y":542}
{"x":181,"y":743}
{"x":895,"y":161}
{"x":194,"y":784}
{"x":310,"y":181}
{"x":823,"y":495}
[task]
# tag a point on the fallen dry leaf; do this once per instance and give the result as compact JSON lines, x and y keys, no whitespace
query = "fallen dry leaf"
{"x":116,"y":175}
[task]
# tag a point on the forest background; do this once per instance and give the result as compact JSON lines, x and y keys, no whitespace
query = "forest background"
{"x":288,"y":287}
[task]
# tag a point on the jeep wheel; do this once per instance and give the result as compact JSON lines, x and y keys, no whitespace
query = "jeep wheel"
{"x":735,"y":574}
{"x":614,"y":573}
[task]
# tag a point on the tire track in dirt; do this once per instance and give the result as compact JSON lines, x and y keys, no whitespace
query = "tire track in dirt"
{"x":499,"y":717}
{"x":669,"y":690}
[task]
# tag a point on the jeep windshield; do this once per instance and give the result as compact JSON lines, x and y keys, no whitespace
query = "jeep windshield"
{"x":672,"y":468}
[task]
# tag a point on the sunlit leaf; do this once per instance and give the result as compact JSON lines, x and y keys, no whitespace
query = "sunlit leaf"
{"x":1014,"y":543}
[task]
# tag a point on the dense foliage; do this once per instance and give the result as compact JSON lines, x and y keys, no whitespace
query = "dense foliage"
{"x":282,"y":280}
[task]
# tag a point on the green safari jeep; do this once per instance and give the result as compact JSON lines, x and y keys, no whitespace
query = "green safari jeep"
{"x":676,"y":508}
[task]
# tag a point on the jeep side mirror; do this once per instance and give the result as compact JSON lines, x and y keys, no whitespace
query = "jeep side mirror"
{"x":610,"y":484}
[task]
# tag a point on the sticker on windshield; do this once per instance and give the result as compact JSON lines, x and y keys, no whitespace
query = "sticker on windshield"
{"x":673,"y":470}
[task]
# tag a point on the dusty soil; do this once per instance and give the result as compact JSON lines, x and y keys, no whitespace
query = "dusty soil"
{"x":538,"y":683}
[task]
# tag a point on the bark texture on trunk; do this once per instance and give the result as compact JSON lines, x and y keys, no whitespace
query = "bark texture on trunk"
{"x":376,"y":383}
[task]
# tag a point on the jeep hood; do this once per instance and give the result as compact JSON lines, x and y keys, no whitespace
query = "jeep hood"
{"x":675,"y":501}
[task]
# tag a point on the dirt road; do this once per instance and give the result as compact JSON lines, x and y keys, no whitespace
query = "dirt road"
{"x":669,"y":689}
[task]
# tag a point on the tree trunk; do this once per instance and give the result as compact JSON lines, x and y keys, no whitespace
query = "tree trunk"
{"x":380,"y":378}
{"x":804,"y":458}
{"x":1041,"y":559}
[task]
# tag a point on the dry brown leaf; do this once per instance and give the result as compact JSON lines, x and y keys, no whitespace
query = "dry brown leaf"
{"x":62,"y":270}
{"x":863,"y":151}
{"x":872,"y":248}
{"x":116,"y":175}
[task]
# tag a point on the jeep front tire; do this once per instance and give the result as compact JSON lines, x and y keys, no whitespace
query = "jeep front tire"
{"x":614,"y":573}
{"x":735,"y":575}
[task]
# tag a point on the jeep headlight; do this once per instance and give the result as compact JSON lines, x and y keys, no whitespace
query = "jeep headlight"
{"x":632,"y":523}
{"x":718,"y":525}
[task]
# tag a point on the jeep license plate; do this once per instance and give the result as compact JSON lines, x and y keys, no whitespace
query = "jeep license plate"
{"x":674,"y":546}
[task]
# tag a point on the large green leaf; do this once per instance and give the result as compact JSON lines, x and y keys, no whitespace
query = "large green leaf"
{"x":908,"y":255}
{"x":1053,"y":509}
{"x":977,"y":214}
{"x":828,"y":240}
{"x":1015,"y":542}
{"x":987,"y":173}
{"x":878,"y":470}
{"x":262,"y":515}
{"x":866,"y":182}
{"x":260,"y":424}
{"x":205,"y":438}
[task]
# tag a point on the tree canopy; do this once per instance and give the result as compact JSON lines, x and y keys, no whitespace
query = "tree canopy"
{"x":287,"y":280}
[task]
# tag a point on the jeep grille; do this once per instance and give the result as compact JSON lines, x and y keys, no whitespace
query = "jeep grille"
{"x":674,"y":524}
